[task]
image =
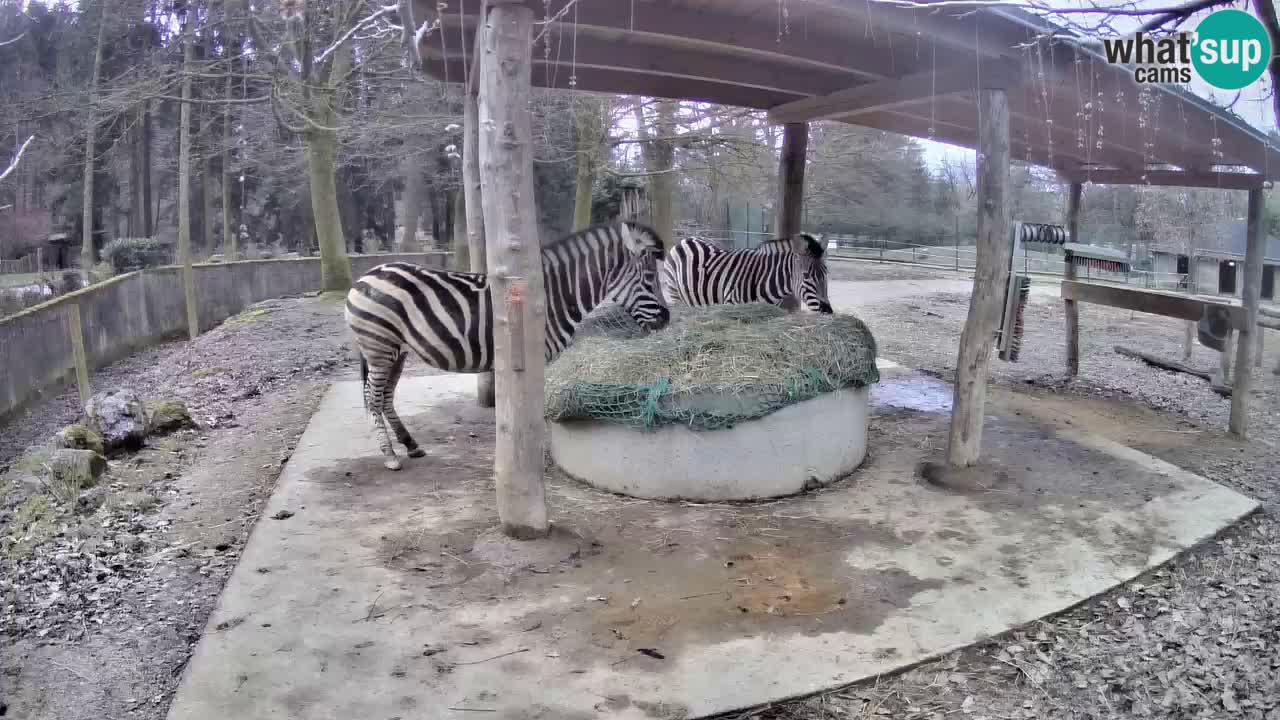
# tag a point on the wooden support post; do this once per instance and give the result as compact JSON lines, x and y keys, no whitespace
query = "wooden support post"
{"x":1250,"y":296}
{"x":795,"y":144}
{"x":75,"y":329}
{"x":515,"y":267}
{"x":1188,"y":343}
{"x":1224,"y":357}
{"x":1069,"y":272}
{"x":993,"y":256}
{"x":184,"y":193}
{"x":472,"y":198}
{"x":39,"y":259}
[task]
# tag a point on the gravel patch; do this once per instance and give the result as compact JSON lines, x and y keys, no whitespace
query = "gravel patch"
{"x":1197,"y":638}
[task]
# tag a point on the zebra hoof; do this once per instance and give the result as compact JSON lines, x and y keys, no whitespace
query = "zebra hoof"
{"x":417,"y":453}
{"x":392,"y":464}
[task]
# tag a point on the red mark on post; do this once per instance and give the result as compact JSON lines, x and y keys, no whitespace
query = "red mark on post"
{"x":516,"y":294}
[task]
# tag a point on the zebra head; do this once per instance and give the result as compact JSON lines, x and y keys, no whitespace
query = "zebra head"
{"x":635,"y":284}
{"x":813,"y":286}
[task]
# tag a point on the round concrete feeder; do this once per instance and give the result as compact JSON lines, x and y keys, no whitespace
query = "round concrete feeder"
{"x":799,"y":447}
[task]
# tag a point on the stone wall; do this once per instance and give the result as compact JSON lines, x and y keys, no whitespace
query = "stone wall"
{"x":138,"y":309}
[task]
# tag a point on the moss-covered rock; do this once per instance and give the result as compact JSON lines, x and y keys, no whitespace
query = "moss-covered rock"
{"x":71,"y":471}
{"x":80,"y":437}
{"x":168,"y":416}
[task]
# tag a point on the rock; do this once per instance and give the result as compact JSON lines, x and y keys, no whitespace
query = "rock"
{"x":120,"y":417}
{"x":90,"y":500}
{"x":71,"y":471}
{"x":79,"y":437}
{"x":168,"y":416}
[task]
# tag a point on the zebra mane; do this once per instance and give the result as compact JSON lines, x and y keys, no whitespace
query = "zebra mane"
{"x":813,"y":247}
{"x":635,"y":227}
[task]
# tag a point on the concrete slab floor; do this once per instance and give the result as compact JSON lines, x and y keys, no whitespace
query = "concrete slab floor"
{"x":391,"y":595}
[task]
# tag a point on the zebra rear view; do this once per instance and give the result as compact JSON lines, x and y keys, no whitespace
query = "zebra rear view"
{"x":446,"y":318}
{"x":699,"y":273}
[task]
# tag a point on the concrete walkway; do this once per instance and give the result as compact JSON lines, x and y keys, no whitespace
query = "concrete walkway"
{"x":368,"y":594}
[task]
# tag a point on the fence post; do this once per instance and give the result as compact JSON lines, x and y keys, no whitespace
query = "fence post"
{"x":76,"y":331}
{"x":39,"y":259}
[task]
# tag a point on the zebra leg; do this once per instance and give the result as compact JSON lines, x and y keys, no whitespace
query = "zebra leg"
{"x":374,"y":398}
{"x":389,"y":409}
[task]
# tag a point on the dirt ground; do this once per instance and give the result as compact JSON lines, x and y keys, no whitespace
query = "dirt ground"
{"x":100,"y":615}
{"x":102,"y":604}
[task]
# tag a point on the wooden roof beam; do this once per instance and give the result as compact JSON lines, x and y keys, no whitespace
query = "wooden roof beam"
{"x":1174,"y":178}
{"x":893,"y":92}
{"x":681,"y":26}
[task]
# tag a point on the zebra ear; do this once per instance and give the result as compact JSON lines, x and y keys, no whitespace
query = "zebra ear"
{"x":628,"y":240}
{"x":814,"y":247}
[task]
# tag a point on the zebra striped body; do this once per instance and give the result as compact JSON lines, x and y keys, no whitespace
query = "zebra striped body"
{"x":698,"y":272}
{"x":446,"y":318}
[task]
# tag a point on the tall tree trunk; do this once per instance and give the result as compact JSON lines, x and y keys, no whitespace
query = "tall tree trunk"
{"x":322,"y":162}
{"x":88,"y":248}
{"x":659,"y":157}
{"x":591,"y":115}
{"x":229,"y":235}
{"x":184,"y":188}
{"x":411,"y":204}
{"x":208,"y":199}
{"x":460,"y":260}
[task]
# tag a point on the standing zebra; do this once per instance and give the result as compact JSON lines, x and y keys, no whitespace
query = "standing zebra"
{"x":698,"y":272}
{"x":446,"y":318}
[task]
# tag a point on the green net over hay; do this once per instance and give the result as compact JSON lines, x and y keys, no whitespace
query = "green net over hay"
{"x":711,"y":368}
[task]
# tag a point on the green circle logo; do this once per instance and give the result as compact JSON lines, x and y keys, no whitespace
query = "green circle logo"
{"x":1232,"y":49}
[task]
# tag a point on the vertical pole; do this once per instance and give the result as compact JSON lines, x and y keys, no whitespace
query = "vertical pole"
{"x":957,"y":243}
{"x":184,"y":190}
{"x":992,"y":264}
{"x":472,"y":199}
{"x":1074,"y":196}
{"x":515,"y":267}
{"x":1257,"y":351}
{"x":1250,"y":295}
{"x":39,"y":259}
{"x":76,"y":331}
{"x":1224,"y":358}
{"x":1188,"y":342}
{"x":795,"y":143}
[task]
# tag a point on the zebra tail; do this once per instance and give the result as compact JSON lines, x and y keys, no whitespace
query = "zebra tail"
{"x":364,"y":382}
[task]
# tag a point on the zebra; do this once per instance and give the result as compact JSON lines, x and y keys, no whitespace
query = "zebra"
{"x":698,"y":272}
{"x":446,"y":318}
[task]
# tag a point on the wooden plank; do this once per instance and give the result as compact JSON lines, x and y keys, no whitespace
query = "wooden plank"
{"x":1268,"y":312}
{"x":1176,"y":178}
{"x":1147,"y":301}
{"x":682,"y":26}
{"x":1069,"y":272}
{"x":472,"y":199}
{"x":515,"y":268}
{"x":892,"y":92}
{"x":1188,"y":342}
{"x":993,"y":254}
{"x":75,"y":329}
{"x":1159,"y":362}
{"x":1251,"y":297}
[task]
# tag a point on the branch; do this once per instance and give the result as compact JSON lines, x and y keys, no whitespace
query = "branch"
{"x":13,"y":164}
{"x":384,"y":10}
{"x":14,"y":39}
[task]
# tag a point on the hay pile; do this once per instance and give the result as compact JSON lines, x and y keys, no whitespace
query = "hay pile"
{"x":711,"y":368}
